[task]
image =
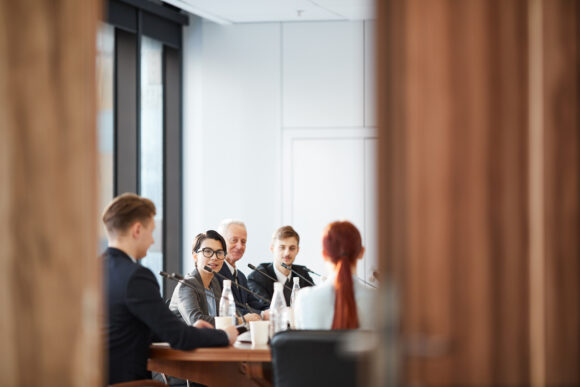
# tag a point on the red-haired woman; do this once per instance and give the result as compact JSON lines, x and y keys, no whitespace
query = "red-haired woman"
{"x":341,"y":302}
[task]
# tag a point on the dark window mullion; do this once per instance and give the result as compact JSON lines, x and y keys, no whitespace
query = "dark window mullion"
{"x":138,"y":96}
{"x":126,"y":112}
{"x":172,"y":165}
{"x":132,"y":24}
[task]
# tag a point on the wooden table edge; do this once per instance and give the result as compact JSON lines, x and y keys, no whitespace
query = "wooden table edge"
{"x":238,"y":353}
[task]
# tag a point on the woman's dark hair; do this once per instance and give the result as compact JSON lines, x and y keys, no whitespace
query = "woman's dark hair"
{"x":341,"y":244}
{"x":209,"y":234}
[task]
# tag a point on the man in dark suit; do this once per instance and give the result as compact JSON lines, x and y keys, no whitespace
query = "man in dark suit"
{"x":136,"y":311}
{"x":284,"y":247}
{"x":236,"y":236}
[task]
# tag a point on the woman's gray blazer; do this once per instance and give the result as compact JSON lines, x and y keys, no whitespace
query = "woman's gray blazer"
{"x":191,"y":305}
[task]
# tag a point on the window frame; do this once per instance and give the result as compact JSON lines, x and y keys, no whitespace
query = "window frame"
{"x":132,"y":20}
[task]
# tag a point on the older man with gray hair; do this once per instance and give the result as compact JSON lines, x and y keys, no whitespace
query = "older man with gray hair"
{"x":236,"y":236}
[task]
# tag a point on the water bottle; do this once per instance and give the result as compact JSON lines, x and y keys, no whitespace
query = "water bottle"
{"x":295,"y":289}
{"x":278,"y":321}
{"x":227,"y":304}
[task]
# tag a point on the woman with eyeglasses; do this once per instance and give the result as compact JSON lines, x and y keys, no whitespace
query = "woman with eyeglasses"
{"x":202,"y":302}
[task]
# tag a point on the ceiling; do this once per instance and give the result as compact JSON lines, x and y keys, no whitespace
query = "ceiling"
{"x":257,"y":11}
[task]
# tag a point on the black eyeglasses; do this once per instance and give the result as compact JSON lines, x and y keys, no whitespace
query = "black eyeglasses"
{"x":208,"y":253}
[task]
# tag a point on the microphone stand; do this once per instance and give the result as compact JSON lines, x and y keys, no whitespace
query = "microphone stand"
{"x":207,"y":268}
{"x":298,"y":274}
{"x":312,"y":271}
{"x":181,"y":280}
{"x":267,"y":276}
{"x":366,"y":283}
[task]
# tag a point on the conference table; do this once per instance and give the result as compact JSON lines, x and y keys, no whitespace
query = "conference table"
{"x":237,"y":365}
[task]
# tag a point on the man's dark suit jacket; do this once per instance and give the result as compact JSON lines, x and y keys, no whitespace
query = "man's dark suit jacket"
{"x":264,"y":286}
{"x":136,"y":312}
{"x":240,"y":295}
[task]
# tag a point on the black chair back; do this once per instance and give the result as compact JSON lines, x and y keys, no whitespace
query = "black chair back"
{"x":312,"y":358}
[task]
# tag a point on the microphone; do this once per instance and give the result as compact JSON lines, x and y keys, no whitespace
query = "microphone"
{"x":207,"y":268}
{"x":298,"y":274}
{"x":181,"y":280}
{"x":267,"y":275}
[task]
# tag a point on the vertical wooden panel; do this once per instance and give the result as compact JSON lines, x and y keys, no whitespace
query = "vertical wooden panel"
{"x":561,"y":64}
{"x":536,"y":202}
{"x":49,"y":281}
{"x":428,"y":158}
{"x":391,"y":242}
{"x":453,"y":164}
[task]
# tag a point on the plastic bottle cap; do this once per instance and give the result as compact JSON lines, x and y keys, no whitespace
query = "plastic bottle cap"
{"x":227,"y":283}
{"x":278,"y":286}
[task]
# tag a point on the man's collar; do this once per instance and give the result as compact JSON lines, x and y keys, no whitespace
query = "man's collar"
{"x":280,"y":276}
{"x":231,"y":267}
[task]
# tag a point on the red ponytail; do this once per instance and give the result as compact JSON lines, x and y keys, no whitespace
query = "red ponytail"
{"x":341,"y":244}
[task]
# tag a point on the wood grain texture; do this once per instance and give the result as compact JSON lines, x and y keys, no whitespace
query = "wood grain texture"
{"x":479,"y":156}
{"x":561,"y":64}
{"x":241,"y":352}
{"x":49,"y":272}
{"x":453,"y":164}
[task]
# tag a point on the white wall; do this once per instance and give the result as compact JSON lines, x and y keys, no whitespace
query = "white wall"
{"x":274,"y":131}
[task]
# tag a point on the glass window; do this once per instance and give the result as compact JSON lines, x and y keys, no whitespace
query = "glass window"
{"x":105,"y":133}
{"x":151,"y":143}
{"x":137,"y":127}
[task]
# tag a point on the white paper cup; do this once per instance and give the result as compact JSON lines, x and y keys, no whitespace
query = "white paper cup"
{"x":259,"y":332}
{"x":222,"y":322}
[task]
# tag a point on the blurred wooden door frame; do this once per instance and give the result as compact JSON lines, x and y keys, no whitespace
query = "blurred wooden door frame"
{"x":561,"y":177}
{"x":50,"y":282}
{"x":479,"y":192}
